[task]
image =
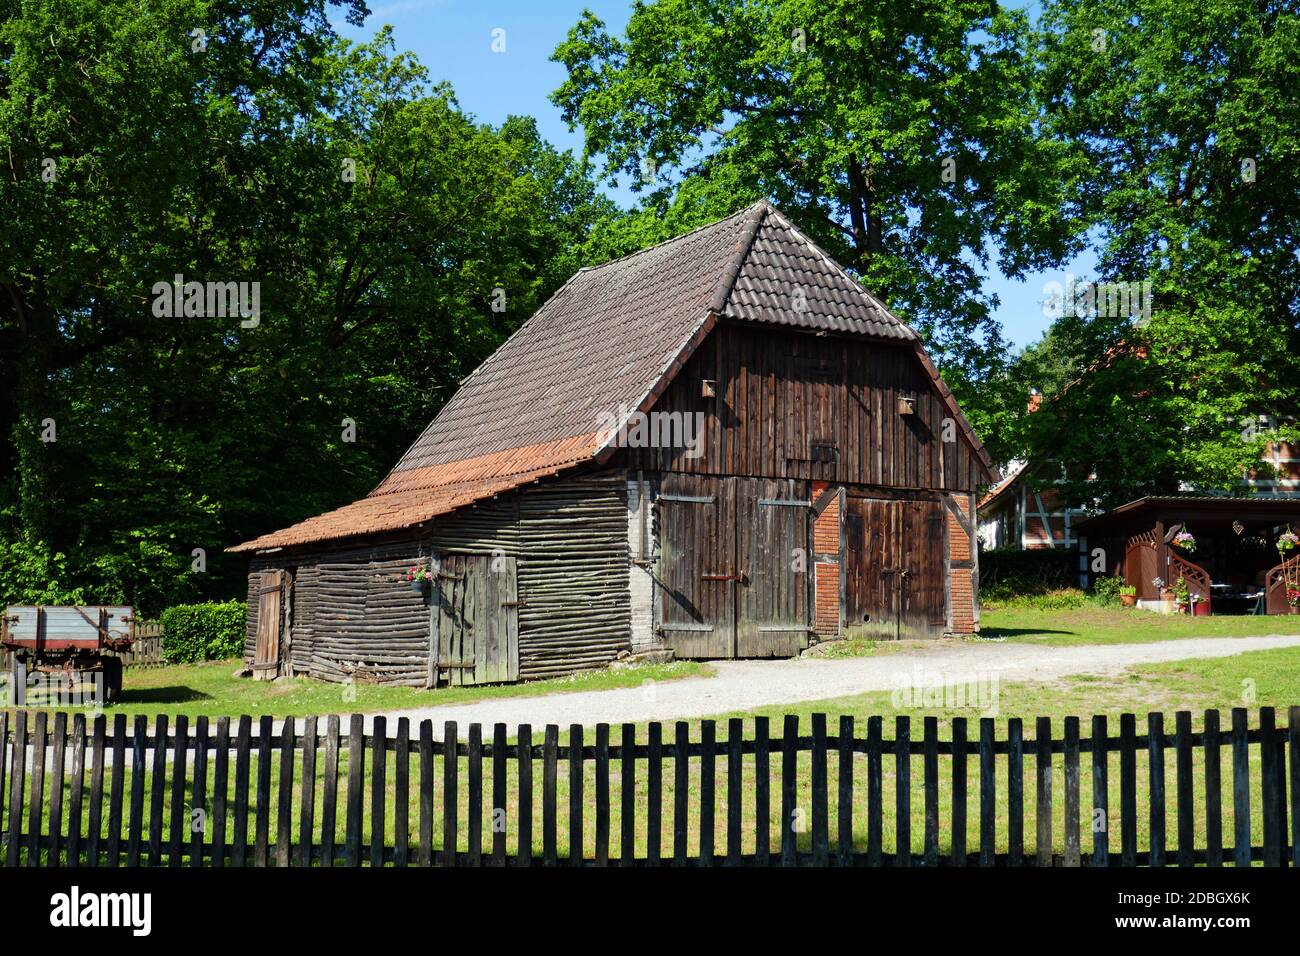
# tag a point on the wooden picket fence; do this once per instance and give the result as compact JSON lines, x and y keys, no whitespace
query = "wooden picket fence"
{"x":96,"y":792}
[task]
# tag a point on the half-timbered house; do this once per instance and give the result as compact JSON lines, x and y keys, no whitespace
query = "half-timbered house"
{"x":721,"y":446}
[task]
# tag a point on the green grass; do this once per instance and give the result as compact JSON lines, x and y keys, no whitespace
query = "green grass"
{"x":1094,"y":624}
{"x":212,"y":690}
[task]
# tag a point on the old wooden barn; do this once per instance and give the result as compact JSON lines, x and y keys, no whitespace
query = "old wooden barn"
{"x":721,"y":446}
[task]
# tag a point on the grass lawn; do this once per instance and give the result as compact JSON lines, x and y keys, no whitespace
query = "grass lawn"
{"x":1096,"y":624}
{"x":212,"y":690}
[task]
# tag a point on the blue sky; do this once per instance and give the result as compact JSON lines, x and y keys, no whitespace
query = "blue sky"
{"x":453,"y":39}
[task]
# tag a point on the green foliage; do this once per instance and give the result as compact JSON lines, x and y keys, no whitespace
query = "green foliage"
{"x":1007,"y":573}
{"x":203,"y":632}
{"x":378,"y":217}
{"x":845,"y":114}
{"x":1107,"y":588}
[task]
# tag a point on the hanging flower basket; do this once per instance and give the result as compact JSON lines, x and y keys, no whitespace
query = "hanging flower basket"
{"x":1186,"y":541}
{"x":1287,"y":541}
{"x":419,"y":578}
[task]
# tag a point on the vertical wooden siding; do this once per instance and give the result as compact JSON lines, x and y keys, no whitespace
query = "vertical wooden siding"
{"x":781,"y":394}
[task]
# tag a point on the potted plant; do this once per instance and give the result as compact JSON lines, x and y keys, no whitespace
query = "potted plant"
{"x":419,"y":577}
{"x":1182,"y":595}
{"x":1128,"y":595}
{"x":1185,"y":540}
{"x":1287,"y":541}
{"x":1162,"y":589}
{"x":1200,"y":606}
{"x":1293,"y":599}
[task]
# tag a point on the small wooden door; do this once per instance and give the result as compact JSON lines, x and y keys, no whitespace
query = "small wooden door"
{"x":474,"y":627}
{"x":270,"y":612}
{"x":772,"y":533}
{"x":697,"y":566}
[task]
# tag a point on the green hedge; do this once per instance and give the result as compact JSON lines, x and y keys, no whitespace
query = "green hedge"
{"x":203,"y":632}
{"x":1009,"y":572}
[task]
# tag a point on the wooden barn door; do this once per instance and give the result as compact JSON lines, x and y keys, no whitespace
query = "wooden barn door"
{"x":697,"y":566}
{"x":270,"y":616}
{"x":894,"y":573}
{"x":474,"y":620}
{"x":772,"y":532}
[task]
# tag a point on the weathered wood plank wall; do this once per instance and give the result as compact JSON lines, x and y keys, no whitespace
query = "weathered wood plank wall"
{"x":785,"y":399}
{"x":354,"y":615}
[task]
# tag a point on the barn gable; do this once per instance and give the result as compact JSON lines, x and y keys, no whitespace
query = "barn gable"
{"x":613,"y":337}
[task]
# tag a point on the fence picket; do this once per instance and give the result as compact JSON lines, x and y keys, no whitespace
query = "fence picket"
{"x":1015,"y":791}
{"x":576,"y":794}
{"x":75,"y":795}
{"x":654,"y":794}
{"x":402,"y":792}
{"x":17,"y":776}
{"x":1128,"y":789}
{"x":789,"y":765}
{"x":602,"y":794}
{"x":627,"y":787}
{"x":307,"y":813}
{"x":762,"y":791}
{"x":988,"y":793}
{"x":1043,"y":791}
{"x":450,"y":800}
{"x":329,"y":794}
{"x":930,"y":763}
{"x":378,"y":789}
{"x":903,"y":791}
{"x":57,"y":759}
{"x":474,"y":791}
{"x":875,"y":792}
{"x":550,"y":782}
{"x":1100,"y":792}
{"x":820,"y":811}
{"x":95,"y":813}
{"x":426,"y":793}
{"x":157,"y":789}
{"x":1269,"y":778}
{"x":681,"y":789}
{"x":136,"y":820}
{"x":1156,"y":784}
{"x":525,"y":838}
{"x":1071,"y":795}
{"x":498,"y":814}
{"x":220,"y":762}
{"x":708,"y":781}
{"x":735,"y":731}
{"x":844,"y":799}
{"x":356,"y":790}
{"x":243,"y":745}
{"x":180,"y":757}
{"x":262,"y":818}
{"x":1240,"y":788}
{"x":284,"y":801}
{"x":36,"y":801}
{"x":958,"y":857}
{"x":199,"y":794}
{"x":1183,"y":785}
{"x":1213,"y":791}
{"x":1293,"y":748}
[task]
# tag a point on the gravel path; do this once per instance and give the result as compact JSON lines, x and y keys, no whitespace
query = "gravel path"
{"x":744,"y":685}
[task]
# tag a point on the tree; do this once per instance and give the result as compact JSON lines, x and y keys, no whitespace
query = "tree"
{"x":393,"y":241}
{"x":902,"y":138}
{"x":1186,"y":117}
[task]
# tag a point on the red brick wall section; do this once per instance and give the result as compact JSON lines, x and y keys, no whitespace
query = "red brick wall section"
{"x":961,"y":581}
{"x":826,"y":566}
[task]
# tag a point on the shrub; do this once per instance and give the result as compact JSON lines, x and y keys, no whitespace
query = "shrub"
{"x":1107,"y":589}
{"x":203,"y":632}
{"x":1008,"y":573}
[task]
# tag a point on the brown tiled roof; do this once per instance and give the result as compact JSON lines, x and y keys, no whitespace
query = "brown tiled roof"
{"x":609,"y":340}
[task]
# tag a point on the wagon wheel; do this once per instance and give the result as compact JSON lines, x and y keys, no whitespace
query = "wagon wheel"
{"x":112,"y":679}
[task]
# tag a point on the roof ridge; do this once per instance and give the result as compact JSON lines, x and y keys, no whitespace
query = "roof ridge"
{"x":835,"y":264}
{"x":727,"y":281}
{"x":671,"y":239}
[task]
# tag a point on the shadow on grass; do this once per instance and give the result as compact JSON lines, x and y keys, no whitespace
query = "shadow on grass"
{"x":1018,"y":631}
{"x":162,"y":695}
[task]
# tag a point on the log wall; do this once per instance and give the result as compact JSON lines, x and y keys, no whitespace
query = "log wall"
{"x":354,"y":615}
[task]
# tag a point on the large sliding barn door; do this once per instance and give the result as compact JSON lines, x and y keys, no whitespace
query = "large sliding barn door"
{"x":772,"y":554}
{"x":732,"y":566}
{"x":475,"y":620}
{"x":894,"y":573}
